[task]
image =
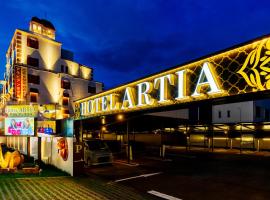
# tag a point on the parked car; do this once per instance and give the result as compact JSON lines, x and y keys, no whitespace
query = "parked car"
{"x":97,"y":152}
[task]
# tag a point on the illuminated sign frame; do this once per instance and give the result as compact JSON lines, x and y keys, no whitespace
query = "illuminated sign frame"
{"x":237,"y":71}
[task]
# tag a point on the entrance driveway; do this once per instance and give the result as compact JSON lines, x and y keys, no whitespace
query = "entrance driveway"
{"x":195,"y":175}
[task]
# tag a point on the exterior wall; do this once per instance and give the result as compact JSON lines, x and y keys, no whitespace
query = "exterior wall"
{"x":85,"y":72}
{"x":49,"y":72}
{"x":263,"y":106}
{"x":73,"y":67}
{"x":49,"y":87}
{"x":50,"y":90}
{"x":57,"y":161}
{"x":239,"y":112}
{"x":48,"y":53}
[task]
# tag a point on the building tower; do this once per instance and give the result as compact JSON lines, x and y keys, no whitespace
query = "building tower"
{"x":40,"y":71}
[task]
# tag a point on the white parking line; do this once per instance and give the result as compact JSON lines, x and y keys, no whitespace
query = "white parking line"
{"x":128,"y":164}
{"x":140,"y":176}
{"x":161,"y":195}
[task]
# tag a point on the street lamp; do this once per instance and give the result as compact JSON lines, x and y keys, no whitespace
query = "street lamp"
{"x":120,"y":117}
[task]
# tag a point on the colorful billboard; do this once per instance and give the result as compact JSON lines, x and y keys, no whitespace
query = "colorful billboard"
{"x":47,"y":112}
{"x":46,"y":127}
{"x":19,"y":126}
{"x":42,"y":112}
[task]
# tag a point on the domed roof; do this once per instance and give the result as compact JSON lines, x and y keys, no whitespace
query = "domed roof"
{"x":44,"y":22}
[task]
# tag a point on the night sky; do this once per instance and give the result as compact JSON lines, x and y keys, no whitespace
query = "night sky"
{"x":127,"y":39}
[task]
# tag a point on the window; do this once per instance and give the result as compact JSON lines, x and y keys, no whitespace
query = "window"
{"x":91,"y":89}
{"x":33,"y":79}
{"x":65,"y":84}
{"x":219,"y":114}
{"x":33,"y":97}
{"x":33,"y":94}
{"x":32,"y":42}
{"x":228,"y":113}
{"x":64,"y":69}
{"x":258,"y":112}
{"x":65,"y":101}
{"x":32,"y":61}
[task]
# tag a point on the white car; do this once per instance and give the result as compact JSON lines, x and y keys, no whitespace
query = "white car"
{"x":97,"y":152}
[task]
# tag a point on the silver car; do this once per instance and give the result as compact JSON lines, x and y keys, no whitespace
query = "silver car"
{"x":97,"y":152}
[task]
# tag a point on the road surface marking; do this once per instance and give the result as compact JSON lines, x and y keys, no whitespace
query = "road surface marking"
{"x":161,"y":195}
{"x":140,"y":176}
{"x":128,"y":164}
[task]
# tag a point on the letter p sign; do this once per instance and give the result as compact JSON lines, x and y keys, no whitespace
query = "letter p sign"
{"x":78,"y":148}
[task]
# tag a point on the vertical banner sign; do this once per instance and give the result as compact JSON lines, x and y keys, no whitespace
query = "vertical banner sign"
{"x":18,"y":83}
{"x":78,"y":158}
{"x":23,"y":82}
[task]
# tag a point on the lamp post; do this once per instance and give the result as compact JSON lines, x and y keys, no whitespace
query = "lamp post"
{"x":120,"y":118}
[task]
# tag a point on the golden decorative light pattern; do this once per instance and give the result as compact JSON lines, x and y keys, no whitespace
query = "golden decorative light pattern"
{"x":257,"y":61}
{"x":238,"y":71}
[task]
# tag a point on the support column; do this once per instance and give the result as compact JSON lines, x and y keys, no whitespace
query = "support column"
{"x":28,"y":147}
{"x":39,"y":149}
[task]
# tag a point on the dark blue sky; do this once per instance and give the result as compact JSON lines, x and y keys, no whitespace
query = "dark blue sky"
{"x":127,"y":39}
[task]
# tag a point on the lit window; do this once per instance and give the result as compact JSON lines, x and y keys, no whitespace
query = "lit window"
{"x":65,"y":101}
{"x":33,"y":95}
{"x":34,"y":26}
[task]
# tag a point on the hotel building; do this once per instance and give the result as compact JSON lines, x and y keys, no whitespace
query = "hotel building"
{"x":40,"y":71}
{"x":40,"y":84}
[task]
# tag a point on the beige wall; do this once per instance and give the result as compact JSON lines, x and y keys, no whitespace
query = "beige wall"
{"x":48,"y":53}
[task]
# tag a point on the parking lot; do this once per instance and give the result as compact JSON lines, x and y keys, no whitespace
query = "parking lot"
{"x":194,"y":175}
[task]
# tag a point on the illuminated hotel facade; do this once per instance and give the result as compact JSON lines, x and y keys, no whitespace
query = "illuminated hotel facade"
{"x":40,"y":71}
{"x":40,"y":84}
{"x":220,"y":100}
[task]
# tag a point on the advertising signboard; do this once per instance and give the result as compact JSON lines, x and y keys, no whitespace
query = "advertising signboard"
{"x":46,"y":127}
{"x":42,"y":112}
{"x":19,"y":126}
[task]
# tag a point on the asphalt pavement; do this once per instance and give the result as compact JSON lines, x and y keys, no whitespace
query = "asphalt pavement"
{"x":193,"y":175}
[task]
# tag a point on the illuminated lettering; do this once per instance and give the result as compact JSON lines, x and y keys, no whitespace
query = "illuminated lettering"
{"x":90,"y":107}
{"x":83,"y":108}
{"x":114,"y":101}
{"x":167,"y":89}
{"x":104,"y":103}
{"x":161,"y":83}
{"x":144,"y":97}
{"x":78,"y":148}
{"x":97,"y":104}
{"x":181,"y":88}
{"x":206,"y":78}
{"x":128,"y":99}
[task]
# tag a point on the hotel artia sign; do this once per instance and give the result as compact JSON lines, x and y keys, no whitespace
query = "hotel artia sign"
{"x":140,"y":95}
{"x":241,"y":70}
